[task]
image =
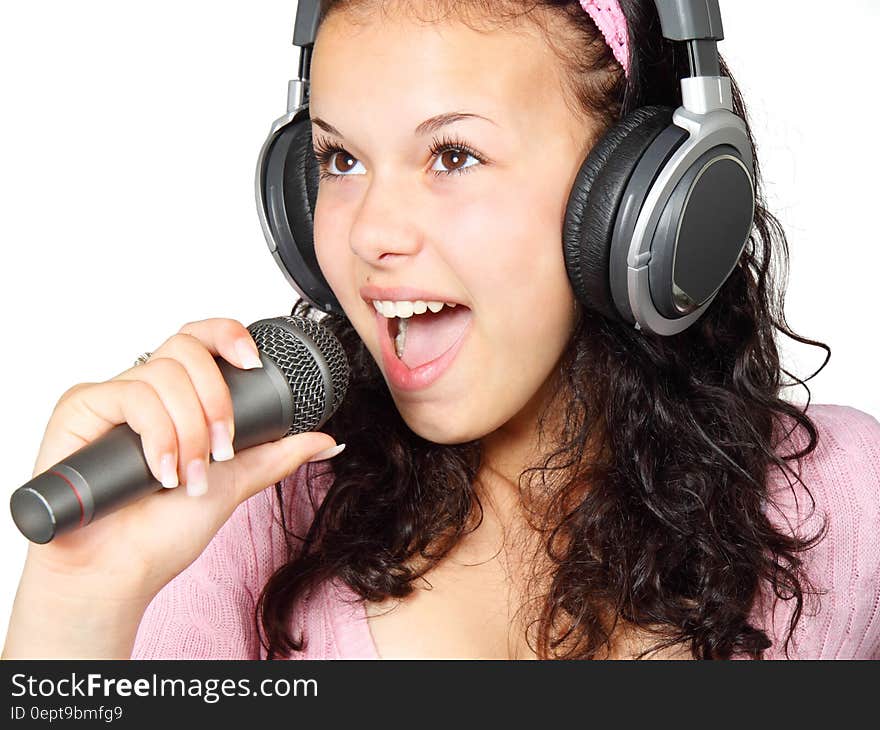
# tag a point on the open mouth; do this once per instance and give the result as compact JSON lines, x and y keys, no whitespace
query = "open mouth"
{"x":422,"y":338}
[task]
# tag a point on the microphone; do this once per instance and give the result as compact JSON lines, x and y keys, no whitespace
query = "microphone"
{"x":301,"y":384}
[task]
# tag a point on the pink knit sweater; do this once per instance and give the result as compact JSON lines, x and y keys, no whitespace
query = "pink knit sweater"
{"x":206,"y":612}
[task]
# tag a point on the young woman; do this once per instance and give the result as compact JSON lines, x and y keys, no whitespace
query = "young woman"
{"x":566,"y":486}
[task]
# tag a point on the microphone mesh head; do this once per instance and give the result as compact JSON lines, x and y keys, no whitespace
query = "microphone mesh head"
{"x":313,"y":363}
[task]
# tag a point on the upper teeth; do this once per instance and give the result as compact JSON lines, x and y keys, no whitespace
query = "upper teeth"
{"x":406,"y":309}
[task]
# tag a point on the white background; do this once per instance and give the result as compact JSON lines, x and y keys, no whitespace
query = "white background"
{"x":128,"y":138}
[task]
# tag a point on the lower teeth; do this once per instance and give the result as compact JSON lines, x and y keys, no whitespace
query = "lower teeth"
{"x":400,"y":339}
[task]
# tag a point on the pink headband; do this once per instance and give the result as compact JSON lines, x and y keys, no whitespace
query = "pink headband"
{"x":607,"y":16}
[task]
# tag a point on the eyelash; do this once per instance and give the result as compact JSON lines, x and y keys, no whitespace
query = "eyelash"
{"x":325,"y":149}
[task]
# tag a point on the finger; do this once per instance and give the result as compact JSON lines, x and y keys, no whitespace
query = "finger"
{"x":171,"y":381}
{"x":86,"y":413}
{"x":210,"y":386}
{"x":228,"y":338}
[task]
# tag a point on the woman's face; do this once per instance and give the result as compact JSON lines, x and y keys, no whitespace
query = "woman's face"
{"x":482,"y":230}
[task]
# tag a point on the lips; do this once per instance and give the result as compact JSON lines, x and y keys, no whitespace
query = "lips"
{"x":405,"y":379}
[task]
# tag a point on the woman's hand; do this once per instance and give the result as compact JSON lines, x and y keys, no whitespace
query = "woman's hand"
{"x":180,"y":405}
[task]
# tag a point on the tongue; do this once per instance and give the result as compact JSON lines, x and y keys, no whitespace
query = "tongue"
{"x":429,"y":335}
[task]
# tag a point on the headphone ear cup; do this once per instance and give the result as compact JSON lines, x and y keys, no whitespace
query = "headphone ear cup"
{"x":301,"y":182}
{"x":595,"y":199}
{"x":291,"y":192}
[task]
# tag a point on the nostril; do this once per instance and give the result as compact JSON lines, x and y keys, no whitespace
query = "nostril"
{"x":386,"y":256}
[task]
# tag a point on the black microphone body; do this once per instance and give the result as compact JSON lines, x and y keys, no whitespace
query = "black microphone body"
{"x":302,"y":381}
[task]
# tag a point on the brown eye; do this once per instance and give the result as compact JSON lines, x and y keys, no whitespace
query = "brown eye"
{"x":349,"y":161}
{"x":453,"y":159}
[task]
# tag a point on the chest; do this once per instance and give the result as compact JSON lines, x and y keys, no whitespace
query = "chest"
{"x":462,"y":611}
{"x":476,"y":610}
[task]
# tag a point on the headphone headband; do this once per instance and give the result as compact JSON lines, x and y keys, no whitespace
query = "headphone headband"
{"x":698,"y":22}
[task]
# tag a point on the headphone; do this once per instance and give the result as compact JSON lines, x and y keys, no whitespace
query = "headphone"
{"x":656,"y":220}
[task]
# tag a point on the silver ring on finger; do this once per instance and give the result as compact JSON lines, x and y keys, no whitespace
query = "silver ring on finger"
{"x":142,"y":358}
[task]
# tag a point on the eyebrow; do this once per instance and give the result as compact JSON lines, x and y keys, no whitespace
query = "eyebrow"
{"x":426,"y":127}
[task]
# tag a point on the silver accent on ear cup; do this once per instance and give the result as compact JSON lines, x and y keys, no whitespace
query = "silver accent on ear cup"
{"x":703,"y":94}
{"x":705,"y":132}
{"x":296,"y":94}
{"x":683,"y":303}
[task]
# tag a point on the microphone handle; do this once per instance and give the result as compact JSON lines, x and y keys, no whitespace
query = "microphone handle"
{"x":112,"y":471}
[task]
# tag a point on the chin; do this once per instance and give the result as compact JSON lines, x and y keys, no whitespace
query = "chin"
{"x":440,"y":429}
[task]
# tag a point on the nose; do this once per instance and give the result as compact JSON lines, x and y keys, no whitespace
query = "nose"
{"x":386,"y":226}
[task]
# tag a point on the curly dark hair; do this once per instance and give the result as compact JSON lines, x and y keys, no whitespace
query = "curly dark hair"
{"x":674,"y":435}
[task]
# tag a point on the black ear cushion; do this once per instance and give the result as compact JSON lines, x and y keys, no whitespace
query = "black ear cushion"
{"x":301,"y":185}
{"x":292,"y":193}
{"x":595,"y":199}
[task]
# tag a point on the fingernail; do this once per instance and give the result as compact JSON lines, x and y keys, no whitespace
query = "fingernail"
{"x":221,"y":443}
{"x":247,"y":354}
{"x":328,"y":453}
{"x":168,"y":470}
{"x":196,"y":478}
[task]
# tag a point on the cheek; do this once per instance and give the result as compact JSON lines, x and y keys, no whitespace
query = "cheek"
{"x":512,"y":245}
{"x":329,"y":228}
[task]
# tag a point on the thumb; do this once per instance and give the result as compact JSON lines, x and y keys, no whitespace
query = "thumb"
{"x":259,"y":466}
